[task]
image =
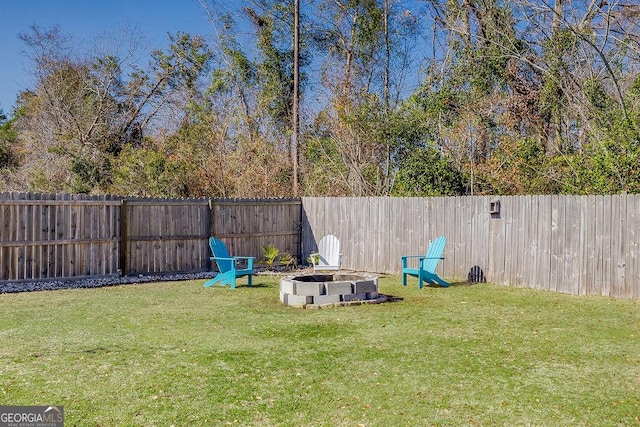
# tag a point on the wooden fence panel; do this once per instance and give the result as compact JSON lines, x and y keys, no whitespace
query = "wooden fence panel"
{"x":46,"y":236}
{"x":165,"y":236}
{"x":528,"y":212}
{"x":632,"y":277}
{"x":310,"y":223}
{"x":65,"y":255}
{"x":582,"y":245}
{"x":361,"y":214}
{"x":479,"y":234}
{"x":517,"y":266}
{"x":573,"y":246}
{"x":587,"y":245}
{"x":460,"y":244}
{"x":557,"y":236}
{"x":340,"y":219}
{"x":399,"y":214}
{"x":246,"y":226}
{"x":603,"y":217}
{"x":509,"y":242}
{"x":415,"y":218}
{"x":612,"y":212}
{"x":377,"y":222}
{"x":620,"y":248}
{"x":452,"y":230}
{"x":406,"y":214}
{"x":442,"y":222}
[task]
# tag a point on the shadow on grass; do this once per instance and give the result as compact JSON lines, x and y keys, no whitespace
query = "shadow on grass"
{"x":461,"y":284}
{"x":451,"y":285}
{"x":256,"y":285}
{"x":391,"y":298}
{"x":244,"y":286}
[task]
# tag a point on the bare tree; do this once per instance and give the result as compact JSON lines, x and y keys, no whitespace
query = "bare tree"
{"x":92,"y":106}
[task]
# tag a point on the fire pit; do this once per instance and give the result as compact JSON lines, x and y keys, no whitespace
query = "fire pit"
{"x":329,"y":290}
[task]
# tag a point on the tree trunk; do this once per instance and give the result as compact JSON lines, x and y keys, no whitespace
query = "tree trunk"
{"x":296,"y":92}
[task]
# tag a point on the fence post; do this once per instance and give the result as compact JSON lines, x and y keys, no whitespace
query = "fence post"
{"x":300,"y":228}
{"x":123,"y":238}
{"x":212,"y":229}
{"x":212,"y":226}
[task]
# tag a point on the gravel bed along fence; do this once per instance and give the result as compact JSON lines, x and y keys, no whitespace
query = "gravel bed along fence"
{"x":96,"y":282}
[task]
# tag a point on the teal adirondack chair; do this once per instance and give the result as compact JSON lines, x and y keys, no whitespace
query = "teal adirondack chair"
{"x":426,"y":271}
{"x":228,"y":269}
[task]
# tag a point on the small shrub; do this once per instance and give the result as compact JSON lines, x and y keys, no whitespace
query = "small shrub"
{"x":270,"y":254}
{"x":288,"y":260}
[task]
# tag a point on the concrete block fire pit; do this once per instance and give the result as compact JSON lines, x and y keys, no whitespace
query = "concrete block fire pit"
{"x":328,"y":290}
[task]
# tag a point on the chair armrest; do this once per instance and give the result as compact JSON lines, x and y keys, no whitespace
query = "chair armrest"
{"x":419,"y":257}
{"x":235,"y":259}
{"x":221,"y":258}
{"x":405,"y":258}
{"x":243,"y":257}
{"x":249,"y":260}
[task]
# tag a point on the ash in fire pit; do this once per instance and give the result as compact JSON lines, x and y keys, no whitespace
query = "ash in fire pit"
{"x":324,"y":290}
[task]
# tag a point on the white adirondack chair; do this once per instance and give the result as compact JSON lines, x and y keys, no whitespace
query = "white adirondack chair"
{"x":328,"y":256}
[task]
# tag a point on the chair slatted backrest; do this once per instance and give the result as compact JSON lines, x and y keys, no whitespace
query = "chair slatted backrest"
{"x":219,"y":250}
{"x":329,"y":250}
{"x":434,"y":254}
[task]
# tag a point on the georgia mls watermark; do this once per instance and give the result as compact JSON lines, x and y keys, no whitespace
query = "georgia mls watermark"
{"x":31,"y":416}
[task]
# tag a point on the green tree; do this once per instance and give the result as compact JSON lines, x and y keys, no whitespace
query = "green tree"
{"x":7,"y":139}
{"x":610,"y":158}
{"x":243,"y":119}
{"x":365,"y":45}
{"x":427,"y":173}
{"x":149,"y":172}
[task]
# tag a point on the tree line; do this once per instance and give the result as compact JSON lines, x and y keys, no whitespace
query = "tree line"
{"x":397,"y":97}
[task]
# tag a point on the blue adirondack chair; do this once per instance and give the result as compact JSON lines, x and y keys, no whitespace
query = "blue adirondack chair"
{"x":228,"y":269}
{"x":426,"y":271}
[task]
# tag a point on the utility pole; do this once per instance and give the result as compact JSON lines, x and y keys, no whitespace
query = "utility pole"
{"x":387,"y":60}
{"x":296,"y":93}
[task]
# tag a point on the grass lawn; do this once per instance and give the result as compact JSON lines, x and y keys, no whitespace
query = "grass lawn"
{"x":175,"y":353}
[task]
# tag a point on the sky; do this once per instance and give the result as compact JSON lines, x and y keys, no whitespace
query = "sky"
{"x":83,"y":20}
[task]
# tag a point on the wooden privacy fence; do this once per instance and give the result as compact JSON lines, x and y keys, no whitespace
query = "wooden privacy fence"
{"x":52,"y":236}
{"x":582,"y":245}
{"x":160,"y":236}
{"x":48,"y":236}
{"x":246,"y":226}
